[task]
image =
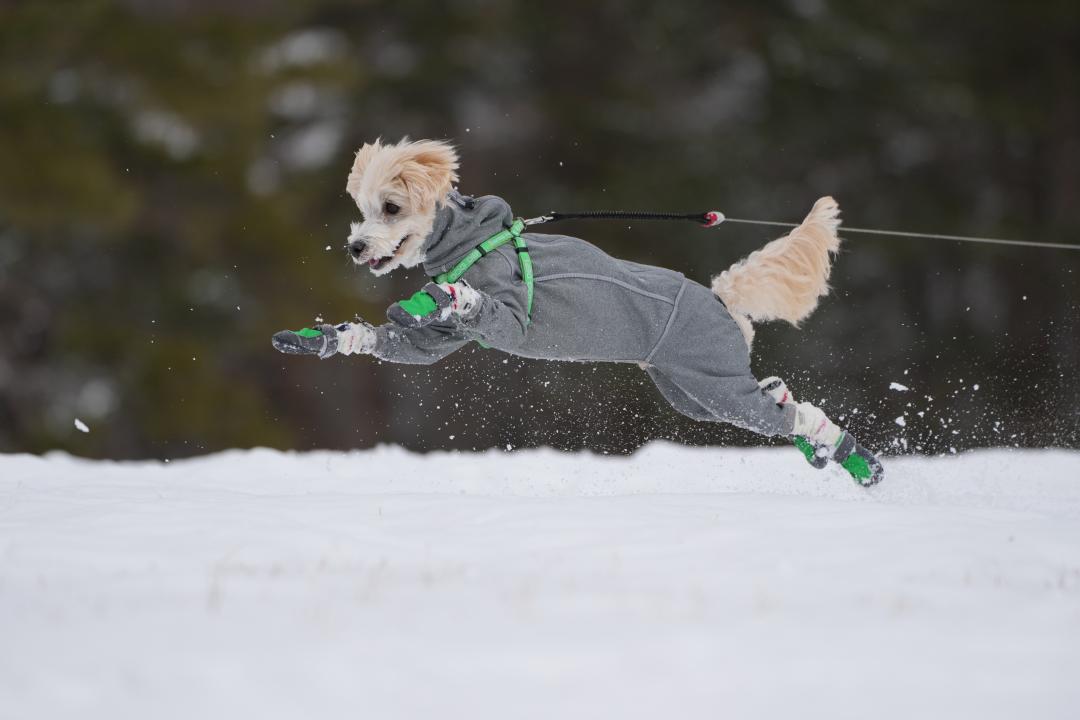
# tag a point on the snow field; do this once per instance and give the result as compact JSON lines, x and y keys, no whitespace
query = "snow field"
{"x":680,"y":582}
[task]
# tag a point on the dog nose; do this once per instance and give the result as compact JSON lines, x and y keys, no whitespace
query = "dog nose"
{"x":356,"y":248}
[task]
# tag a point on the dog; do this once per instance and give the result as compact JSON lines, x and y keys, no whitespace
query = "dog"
{"x":576,"y":302}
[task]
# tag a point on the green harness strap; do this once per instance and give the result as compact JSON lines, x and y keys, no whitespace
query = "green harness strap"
{"x":510,"y":234}
{"x":422,"y":304}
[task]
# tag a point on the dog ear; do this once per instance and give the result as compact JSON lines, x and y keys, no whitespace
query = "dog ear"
{"x":428,"y":171}
{"x":363,"y":157}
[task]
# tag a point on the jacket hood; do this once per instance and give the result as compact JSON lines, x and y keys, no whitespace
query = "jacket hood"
{"x":461,"y":224}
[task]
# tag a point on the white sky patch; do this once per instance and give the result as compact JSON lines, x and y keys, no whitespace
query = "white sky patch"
{"x":81,"y":426}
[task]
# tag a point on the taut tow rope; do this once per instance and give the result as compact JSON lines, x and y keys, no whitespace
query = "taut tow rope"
{"x":713,"y":218}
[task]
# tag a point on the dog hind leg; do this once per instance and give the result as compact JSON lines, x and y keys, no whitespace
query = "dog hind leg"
{"x":678,"y":399}
{"x":702,"y":367}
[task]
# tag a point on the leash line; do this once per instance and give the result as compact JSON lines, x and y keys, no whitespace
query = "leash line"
{"x":715,"y":217}
{"x":925,"y":236}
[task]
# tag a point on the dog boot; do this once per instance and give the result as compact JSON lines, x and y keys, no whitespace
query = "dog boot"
{"x":325,"y":340}
{"x":435,"y":302}
{"x":820,"y":440}
{"x":777,"y":389}
{"x":321,"y":341}
{"x":859,"y":462}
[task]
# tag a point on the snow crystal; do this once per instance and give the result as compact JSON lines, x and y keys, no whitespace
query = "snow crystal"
{"x":898,"y":387}
{"x":81,"y":426}
{"x":900,"y":421}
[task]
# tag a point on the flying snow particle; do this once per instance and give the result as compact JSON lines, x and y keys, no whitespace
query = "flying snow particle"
{"x":81,"y":426}
{"x":900,"y":421}
{"x":898,"y":387}
{"x":328,"y":248}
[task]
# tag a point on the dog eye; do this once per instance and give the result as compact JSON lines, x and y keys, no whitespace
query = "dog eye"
{"x":391,"y":208}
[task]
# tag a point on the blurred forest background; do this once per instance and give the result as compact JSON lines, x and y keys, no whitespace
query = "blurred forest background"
{"x":172,"y":181}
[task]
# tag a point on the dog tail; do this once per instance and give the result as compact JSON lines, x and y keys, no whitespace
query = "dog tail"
{"x":784,"y":279}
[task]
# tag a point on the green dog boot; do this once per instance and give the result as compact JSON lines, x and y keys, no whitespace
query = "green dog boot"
{"x":320,"y":341}
{"x":859,"y":462}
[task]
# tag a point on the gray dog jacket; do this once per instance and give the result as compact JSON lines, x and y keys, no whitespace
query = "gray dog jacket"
{"x":589,"y":306}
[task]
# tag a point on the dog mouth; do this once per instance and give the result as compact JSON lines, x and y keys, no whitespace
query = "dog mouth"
{"x":380,"y":262}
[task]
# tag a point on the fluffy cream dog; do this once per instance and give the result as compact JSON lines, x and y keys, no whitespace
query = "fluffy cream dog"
{"x":582,"y":304}
{"x":399,"y":187}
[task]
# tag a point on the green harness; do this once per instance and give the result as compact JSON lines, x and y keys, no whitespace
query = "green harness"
{"x":422,"y":304}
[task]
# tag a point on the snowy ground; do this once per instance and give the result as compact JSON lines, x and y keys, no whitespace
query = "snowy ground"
{"x":679,"y":583}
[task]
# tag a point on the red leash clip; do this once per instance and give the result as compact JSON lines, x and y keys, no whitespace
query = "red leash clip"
{"x":713,"y":218}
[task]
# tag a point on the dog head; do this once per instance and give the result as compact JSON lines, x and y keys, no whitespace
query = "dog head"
{"x":398,"y":188}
